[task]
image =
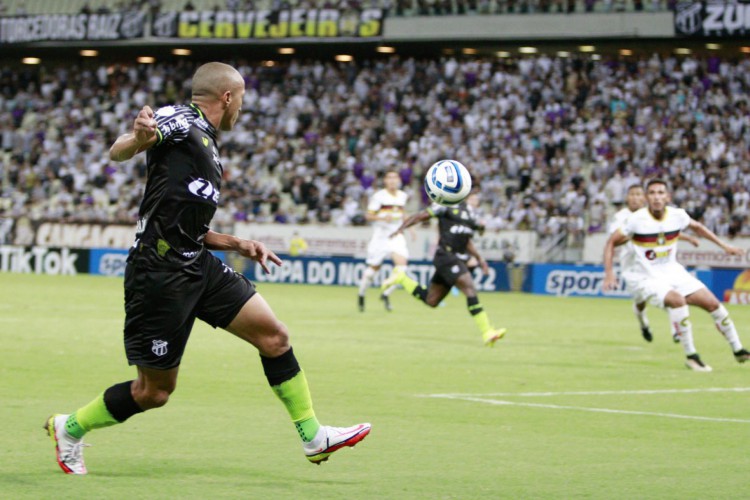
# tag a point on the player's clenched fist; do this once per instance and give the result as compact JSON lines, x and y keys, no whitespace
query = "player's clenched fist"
{"x":610,"y":282}
{"x":144,"y":126}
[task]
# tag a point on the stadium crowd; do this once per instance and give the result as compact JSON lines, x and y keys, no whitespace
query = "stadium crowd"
{"x":553,"y":143}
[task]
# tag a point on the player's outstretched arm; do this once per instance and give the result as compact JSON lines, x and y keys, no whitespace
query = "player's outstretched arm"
{"x":615,"y":239}
{"x":472,"y":249}
{"x":706,"y":233}
{"x":690,"y":239}
{"x":412,"y":220}
{"x":141,"y":138}
{"x":253,"y":250}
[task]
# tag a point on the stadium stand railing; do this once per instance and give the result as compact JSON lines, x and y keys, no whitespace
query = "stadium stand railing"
{"x":395,"y":8}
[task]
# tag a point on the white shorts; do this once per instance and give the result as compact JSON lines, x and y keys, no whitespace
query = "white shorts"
{"x":653,"y":289}
{"x":380,"y":249}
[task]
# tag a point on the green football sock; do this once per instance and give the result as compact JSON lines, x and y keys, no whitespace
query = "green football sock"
{"x":477,"y":312}
{"x":414,"y":288}
{"x":483,"y":322}
{"x":295,"y":394}
{"x":92,"y":416}
{"x":409,"y":284}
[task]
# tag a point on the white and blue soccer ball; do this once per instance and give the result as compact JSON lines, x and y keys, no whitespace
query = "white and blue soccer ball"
{"x":447,"y":182}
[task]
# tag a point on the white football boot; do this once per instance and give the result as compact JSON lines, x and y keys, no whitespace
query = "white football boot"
{"x":329,"y":439}
{"x":69,"y":450}
{"x":695,"y":363}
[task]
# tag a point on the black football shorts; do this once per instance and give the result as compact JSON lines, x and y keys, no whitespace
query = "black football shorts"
{"x":448,"y":268}
{"x":161,"y":307}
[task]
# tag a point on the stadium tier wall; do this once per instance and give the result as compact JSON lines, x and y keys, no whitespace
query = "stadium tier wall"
{"x":310,"y":26}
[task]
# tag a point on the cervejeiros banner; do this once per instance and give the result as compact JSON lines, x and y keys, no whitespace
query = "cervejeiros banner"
{"x":72,"y":27}
{"x":712,"y":18}
{"x":267,"y":24}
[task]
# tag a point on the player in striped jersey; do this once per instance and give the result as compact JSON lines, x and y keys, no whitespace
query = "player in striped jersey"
{"x":655,"y":276}
{"x":635,"y":200}
{"x":386,"y":211}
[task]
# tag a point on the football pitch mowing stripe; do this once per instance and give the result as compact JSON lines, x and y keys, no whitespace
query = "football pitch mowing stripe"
{"x":490,"y":399}
{"x":574,"y":404}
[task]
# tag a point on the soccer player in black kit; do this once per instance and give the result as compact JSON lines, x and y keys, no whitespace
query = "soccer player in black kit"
{"x":171,"y":279}
{"x":456,"y":226}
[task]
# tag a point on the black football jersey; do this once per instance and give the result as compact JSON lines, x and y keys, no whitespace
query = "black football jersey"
{"x":182,"y":190}
{"x":456,"y":226}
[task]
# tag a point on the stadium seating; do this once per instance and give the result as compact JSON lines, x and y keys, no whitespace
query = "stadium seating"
{"x":395,"y":7}
{"x":553,"y":142}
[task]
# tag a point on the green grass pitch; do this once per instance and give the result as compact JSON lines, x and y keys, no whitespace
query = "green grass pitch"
{"x":571,"y":404}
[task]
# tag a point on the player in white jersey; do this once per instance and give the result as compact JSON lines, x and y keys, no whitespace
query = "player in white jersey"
{"x":386,"y":211}
{"x":655,"y":276}
{"x":635,"y":200}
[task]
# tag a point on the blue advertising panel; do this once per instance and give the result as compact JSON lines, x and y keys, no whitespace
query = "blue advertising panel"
{"x":565,"y":280}
{"x":348,"y":271}
{"x":108,"y":261}
{"x":569,"y":280}
{"x":731,"y":285}
{"x":111,"y":261}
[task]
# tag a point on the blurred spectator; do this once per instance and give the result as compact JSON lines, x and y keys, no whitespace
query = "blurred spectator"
{"x":297,"y":245}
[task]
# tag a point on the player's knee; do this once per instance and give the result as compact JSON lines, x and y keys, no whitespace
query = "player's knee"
{"x":432,"y":302}
{"x":159,"y":398}
{"x":674,"y":303}
{"x":276,"y":341}
{"x":152,"y":398}
{"x":674,"y":300}
{"x":712,"y":305}
{"x":280,"y":332}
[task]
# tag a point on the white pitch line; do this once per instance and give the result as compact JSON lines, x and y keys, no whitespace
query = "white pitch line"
{"x":595,"y":393}
{"x":595,"y":410}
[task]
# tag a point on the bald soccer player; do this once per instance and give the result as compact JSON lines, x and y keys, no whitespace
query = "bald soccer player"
{"x":171,"y":279}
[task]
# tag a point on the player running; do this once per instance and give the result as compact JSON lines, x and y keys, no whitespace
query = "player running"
{"x":636,"y":199}
{"x":171,"y":279}
{"x":456,"y":226}
{"x":386,"y":211}
{"x":656,"y":276}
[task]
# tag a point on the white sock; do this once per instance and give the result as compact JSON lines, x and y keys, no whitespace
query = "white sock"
{"x":726,"y":326}
{"x":680,"y":319}
{"x":366,"y":280}
{"x":641,"y":315}
{"x":391,"y":288}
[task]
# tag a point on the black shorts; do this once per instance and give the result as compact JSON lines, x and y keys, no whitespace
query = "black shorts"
{"x":448,"y":268}
{"x":161,"y":307}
